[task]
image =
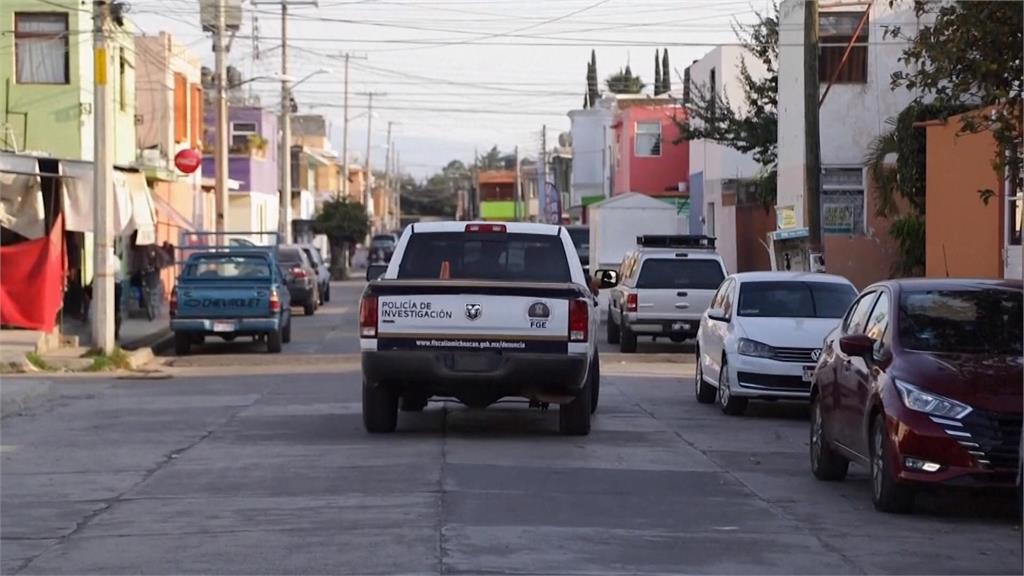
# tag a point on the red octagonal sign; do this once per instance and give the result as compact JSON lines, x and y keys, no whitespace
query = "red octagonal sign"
{"x":188,"y":161}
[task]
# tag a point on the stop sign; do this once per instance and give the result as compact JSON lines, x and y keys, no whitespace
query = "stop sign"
{"x":188,"y":161}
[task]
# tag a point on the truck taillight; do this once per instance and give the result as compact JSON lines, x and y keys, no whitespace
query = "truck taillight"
{"x":499,"y":228}
{"x":275,"y":301}
{"x":368,"y":317}
{"x":631,"y":303}
{"x":579,"y":320}
{"x":173,"y":306}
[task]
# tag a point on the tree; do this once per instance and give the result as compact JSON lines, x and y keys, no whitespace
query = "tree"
{"x":345,"y":224}
{"x":657,"y":73}
{"x":970,"y":55}
{"x":593,"y":90}
{"x":754,"y":128}
{"x":666,"y":73}
{"x":624,"y":82}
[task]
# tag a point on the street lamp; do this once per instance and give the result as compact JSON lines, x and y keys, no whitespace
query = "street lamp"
{"x":285,"y":159}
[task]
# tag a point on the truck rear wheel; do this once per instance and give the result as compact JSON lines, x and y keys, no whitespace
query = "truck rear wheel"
{"x":286,"y":332}
{"x":612,"y":329}
{"x":627,"y":344}
{"x":574,"y":417}
{"x":309,"y":307}
{"x":182,"y":343}
{"x":380,"y":408}
{"x":595,"y":382}
{"x":274,"y":342}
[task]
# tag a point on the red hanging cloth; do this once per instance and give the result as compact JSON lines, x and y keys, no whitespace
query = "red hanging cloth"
{"x":32,"y":280}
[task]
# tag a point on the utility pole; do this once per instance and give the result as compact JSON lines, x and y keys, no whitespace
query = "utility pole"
{"x":398,"y":189}
{"x":542,"y":176}
{"x":344,"y":136}
{"x":518,"y":189}
{"x":103,"y":181}
{"x":285,"y":158}
{"x":387,"y":165}
{"x":812,"y":134}
{"x":221,"y":153}
{"x":368,"y":193}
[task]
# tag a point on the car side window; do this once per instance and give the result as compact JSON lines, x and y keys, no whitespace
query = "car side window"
{"x":857,"y":317}
{"x":728,"y":299}
{"x":879,"y":319}
{"x":716,"y":302}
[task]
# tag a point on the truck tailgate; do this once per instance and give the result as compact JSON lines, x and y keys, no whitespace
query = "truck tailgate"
{"x":215,"y":299}
{"x":445,"y":315}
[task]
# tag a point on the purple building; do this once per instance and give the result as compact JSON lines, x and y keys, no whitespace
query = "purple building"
{"x":252,"y":161}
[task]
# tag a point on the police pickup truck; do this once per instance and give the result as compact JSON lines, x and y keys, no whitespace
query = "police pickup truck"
{"x":230,"y":293}
{"x":479,"y":312}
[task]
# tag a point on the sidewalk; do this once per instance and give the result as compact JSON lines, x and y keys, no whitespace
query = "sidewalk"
{"x":135,"y":332}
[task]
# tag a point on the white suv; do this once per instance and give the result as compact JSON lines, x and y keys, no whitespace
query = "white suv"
{"x":662,"y":289}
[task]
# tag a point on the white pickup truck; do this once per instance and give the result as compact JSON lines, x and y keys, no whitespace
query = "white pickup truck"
{"x":479,"y":312}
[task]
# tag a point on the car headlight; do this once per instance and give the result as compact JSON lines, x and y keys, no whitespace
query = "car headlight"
{"x":929,"y":403}
{"x":748,"y":347}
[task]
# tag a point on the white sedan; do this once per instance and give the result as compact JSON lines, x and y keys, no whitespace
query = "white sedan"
{"x":763,"y":334}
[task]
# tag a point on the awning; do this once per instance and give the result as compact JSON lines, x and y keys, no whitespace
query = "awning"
{"x":21,"y":202}
{"x":78,"y":194}
{"x":143,"y":219}
{"x":167,"y":213}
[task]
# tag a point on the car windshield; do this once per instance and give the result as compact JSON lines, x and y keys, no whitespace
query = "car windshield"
{"x":581,"y":240}
{"x":383,"y":239}
{"x":674,"y":273}
{"x":789,"y":299}
{"x":962,"y":321}
{"x":485,"y":256}
{"x":224,"y":266}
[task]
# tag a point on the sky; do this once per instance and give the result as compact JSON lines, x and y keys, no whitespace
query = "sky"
{"x":452,"y":76}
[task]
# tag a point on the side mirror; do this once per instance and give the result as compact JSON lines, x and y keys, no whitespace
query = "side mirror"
{"x":860,"y":345}
{"x":375,"y":271}
{"x":718,"y":315}
{"x":607,"y":278}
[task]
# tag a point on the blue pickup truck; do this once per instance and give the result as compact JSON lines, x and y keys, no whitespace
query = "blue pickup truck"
{"x":230,"y":293}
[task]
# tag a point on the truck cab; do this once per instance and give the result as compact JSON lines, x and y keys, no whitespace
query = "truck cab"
{"x":662,"y":289}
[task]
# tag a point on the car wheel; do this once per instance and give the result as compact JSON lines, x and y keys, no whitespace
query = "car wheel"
{"x":886,"y":494}
{"x":308,"y":308}
{"x":182,"y":343}
{"x":595,"y":383}
{"x":327,"y":292}
{"x":627,"y":341}
{"x":705,"y":391}
{"x":274,"y":342}
{"x":574,"y":417}
{"x":380,"y":408}
{"x":286,"y":332}
{"x":731,"y":405}
{"x":612,"y":329}
{"x":825,"y":463}
{"x":413,"y":403}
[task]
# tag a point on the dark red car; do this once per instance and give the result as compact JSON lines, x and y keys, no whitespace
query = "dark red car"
{"x":922,"y":383}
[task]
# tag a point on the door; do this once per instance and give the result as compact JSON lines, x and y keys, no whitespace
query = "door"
{"x":714,"y":332}
{"x":1012,"y":236}
{"x":863,"y":374}
{"x":844,"y":392}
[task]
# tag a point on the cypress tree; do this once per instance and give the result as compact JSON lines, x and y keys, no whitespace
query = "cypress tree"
{"x":666,"y":76}
{"x":657,"y":73}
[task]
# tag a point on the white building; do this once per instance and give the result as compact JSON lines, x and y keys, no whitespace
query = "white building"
{"x":592,"y":142}
{"x":720,"y":177}
{"x":853,"y":114}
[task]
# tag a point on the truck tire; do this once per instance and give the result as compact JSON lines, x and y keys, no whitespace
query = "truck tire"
{"x":274,"y":342}
{"x":327,"y":293}
{"x":308,"y":307}
{"x":380,"y":408}
{"x":574,"y":417}
{"x":286,"y":332}
{"x":627,"y":342}
{"x":612,"y":329}
{"x":182,"y":343}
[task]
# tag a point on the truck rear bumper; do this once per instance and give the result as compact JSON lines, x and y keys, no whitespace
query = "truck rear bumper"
{"x":463,"y":373}
{"x":663,"y":327}
{"x":238,"y":326}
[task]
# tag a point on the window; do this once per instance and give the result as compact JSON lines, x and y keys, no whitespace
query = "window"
{"x":196,"y":114}
{"x":978,"y":321}
{"x":879,"y":319}
{"x":857,"y":317}
{"x":122,"y":79}
{"x":485,"y":256}
{"x":41,"y":48}
{"x":648,"y":139}
{"x":672,"y":273}
{"x":727,"y":298}
{"x":835,"y":31}
{"x":842,"y":201}
{"x":180,"y":108}
{"x":220,"y":266}
{"x":1013,"y":220}
{"x":241,"y":132}
{"x":788,"y":299}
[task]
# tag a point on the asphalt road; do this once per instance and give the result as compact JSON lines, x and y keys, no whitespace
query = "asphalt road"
{"x":243,"y":462}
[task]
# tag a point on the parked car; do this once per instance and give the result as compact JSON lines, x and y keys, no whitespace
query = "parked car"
{"x":662,"y":289}
{"x":763,"y":334}
{"x":581,"y":240}
{"x":382,"y":247}
{"x":301,"y":277}
{"x":921,"y":383}
{"x":323,"y":271}
{"x":228,"y":294}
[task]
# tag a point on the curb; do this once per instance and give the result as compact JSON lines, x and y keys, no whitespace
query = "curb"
{"x":157,"y":341}
{"x":620,"y":358}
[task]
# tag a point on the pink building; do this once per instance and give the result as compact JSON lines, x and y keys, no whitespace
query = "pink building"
{"x":646,"y":160}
